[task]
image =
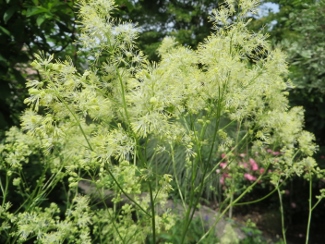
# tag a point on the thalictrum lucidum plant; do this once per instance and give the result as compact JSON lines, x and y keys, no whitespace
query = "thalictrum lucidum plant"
{"x":136,"y":127}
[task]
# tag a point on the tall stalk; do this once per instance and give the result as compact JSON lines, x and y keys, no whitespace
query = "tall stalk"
{"x":310,"y":209}
{"x":248,"y":189}
{"x":282,"y":216}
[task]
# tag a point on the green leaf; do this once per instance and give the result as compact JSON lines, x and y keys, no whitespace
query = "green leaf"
{"x":5,"y":31}
{"x":127,"y":4}
{"x":3,"y":62}
{"x":63,"y":27}
{"x":8,"y":14}
{"x":35,"y":11}
{"x":49,"y":5}
{"x":40,"y":19}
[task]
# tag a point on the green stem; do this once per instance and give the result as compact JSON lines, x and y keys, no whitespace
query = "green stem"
{"x":33,"y":198}
{"x":217,"y":164}
{"x":78,"y":122}
{"x":231,"y":198}
{"x":4,"y":190}
{"x":248,"y":189}
{"x":315,"y":205}
{"x":176,"y":179}
{"x":191,"y":206}
{"x":191,"y":210}
{"x":219,"y":109}
{"x":153,"y":221}
{"x":282,"y":216}
{"x":123,"y":97}
{"x":194,"y":202}
{"x":90,"y":147}
{"x":125,"y":194}
{"x":310,"y":209}
{"x":257,"y":200}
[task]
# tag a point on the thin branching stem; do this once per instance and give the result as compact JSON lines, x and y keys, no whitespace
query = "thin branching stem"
{"x":282,"y":216}
{"x":248,"y":189}
{"x":310,"y":208}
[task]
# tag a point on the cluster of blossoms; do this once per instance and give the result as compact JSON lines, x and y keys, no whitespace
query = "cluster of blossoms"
{"x":243,"y":165}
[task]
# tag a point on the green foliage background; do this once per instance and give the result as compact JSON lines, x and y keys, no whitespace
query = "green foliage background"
{"x":26,"y":27}
{"x":298,"y":28}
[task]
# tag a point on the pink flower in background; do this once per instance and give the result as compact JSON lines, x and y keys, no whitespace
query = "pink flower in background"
{"x":223,"y":177}
{"x":243,"y":164}
{"x":249,"y":177}
{"x":253,"y":164}
{"x":223,"y":165}
{"x":250,"y":166}
{"x":276,"y":153}
{"x":222,"y":180}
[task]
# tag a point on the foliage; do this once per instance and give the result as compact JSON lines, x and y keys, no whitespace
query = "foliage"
{"x":25,"y":28}
{"x":187,"y":21}
{"x":195,"y":230}
{"x":307,"y":70}
{"x":254,"y":235}
{"x":298,"y":28}
{"x":230,"y":236}
{"x":279,"y":24}
{"x":29,"y":26}
{"x":307,"y":51}
{"x":110,"y":124}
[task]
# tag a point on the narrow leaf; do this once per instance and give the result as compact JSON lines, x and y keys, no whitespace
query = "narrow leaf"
{"x":5,"y":31}
{"x":8,"y":14}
